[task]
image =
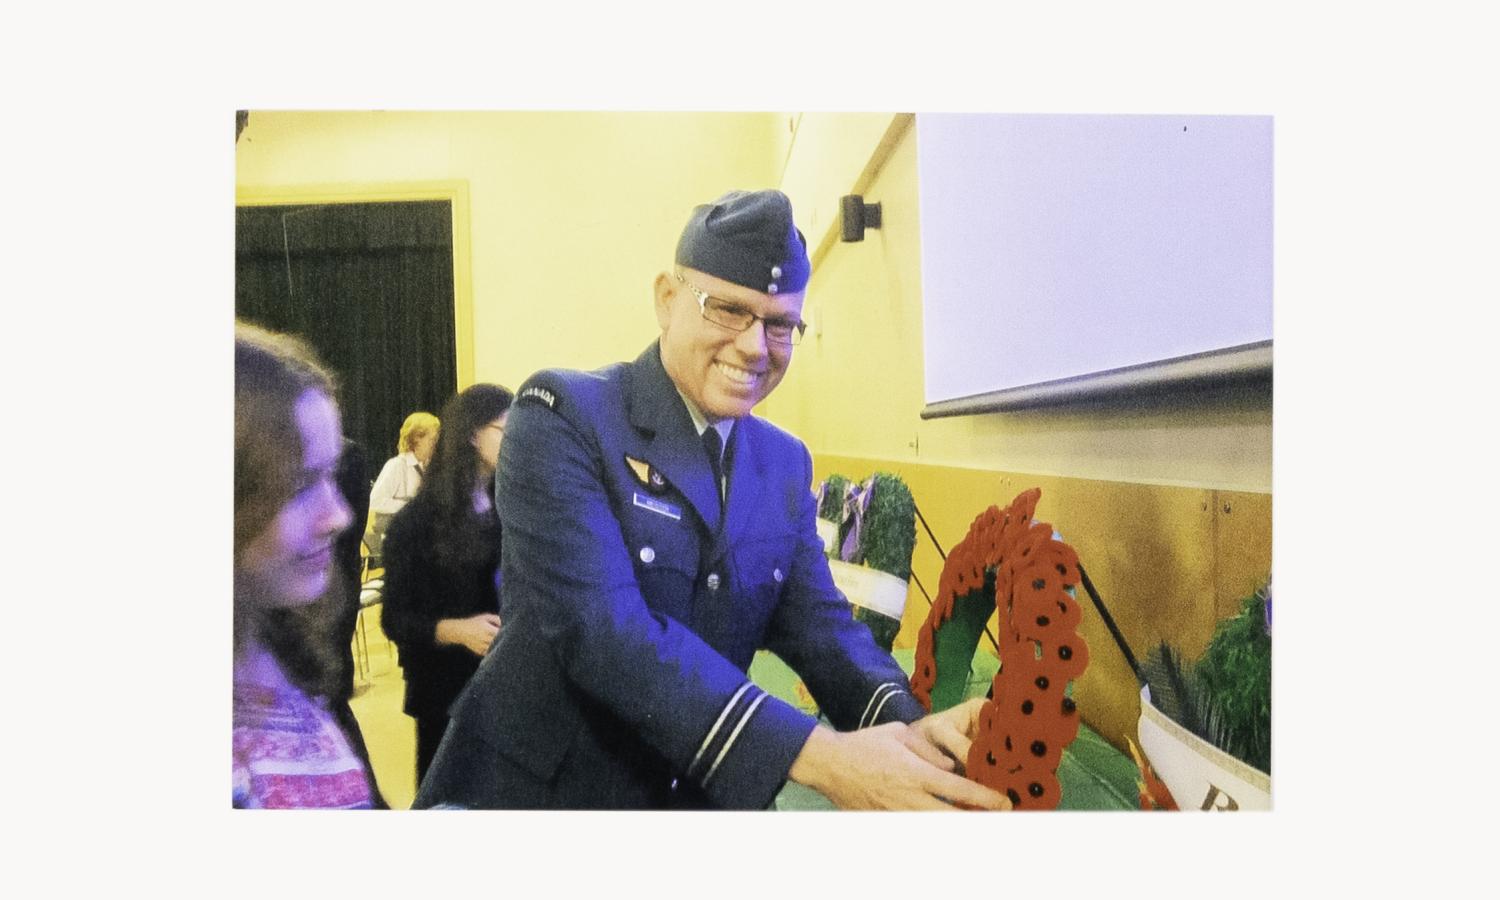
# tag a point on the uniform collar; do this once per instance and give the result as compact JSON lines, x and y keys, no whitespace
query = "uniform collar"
{"x":700,"y":421}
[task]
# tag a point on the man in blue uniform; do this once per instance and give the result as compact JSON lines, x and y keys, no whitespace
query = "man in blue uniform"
{"x":656,"y":535}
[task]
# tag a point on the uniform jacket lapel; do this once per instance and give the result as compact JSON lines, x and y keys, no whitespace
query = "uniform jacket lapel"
{"x":675,"y":449}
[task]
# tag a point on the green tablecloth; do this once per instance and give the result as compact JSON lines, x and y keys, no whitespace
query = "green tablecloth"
{"x":1094,"y":775}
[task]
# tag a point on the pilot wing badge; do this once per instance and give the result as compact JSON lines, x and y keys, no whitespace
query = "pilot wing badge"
{"x":647,"y":475}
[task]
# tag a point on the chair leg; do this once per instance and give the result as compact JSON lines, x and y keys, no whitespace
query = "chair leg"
{"x":362,"y":647}
{"x":390,"y":646}
{"x":359,"y":666}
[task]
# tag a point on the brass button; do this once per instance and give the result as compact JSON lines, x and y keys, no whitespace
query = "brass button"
{"x":713,"y":581}
{"x":648,"y":555}
{"x":777,"y":575}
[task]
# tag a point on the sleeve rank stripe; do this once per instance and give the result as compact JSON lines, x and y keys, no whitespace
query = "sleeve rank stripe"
{"x":712,"y":732}
{"x":719,"y":745}
{"x":875,"y":716}
{"x":734,"y":734}
{"x":867,"y":718}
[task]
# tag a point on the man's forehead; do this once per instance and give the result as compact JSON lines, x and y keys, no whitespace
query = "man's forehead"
{"x":757,"y":301}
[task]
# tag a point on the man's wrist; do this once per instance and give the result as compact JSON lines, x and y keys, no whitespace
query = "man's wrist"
{"x":818,"y":757}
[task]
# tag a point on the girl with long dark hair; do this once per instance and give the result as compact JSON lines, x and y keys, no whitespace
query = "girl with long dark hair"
{"x":290,"y":748}
{"x":442,"y":556}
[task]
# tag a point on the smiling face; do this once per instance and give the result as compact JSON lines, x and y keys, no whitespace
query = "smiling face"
{"x":724,"y":372}
{"x":289,"y":562}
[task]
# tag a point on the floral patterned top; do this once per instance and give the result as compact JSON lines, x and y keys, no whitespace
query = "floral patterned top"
{"x":289,"y":753}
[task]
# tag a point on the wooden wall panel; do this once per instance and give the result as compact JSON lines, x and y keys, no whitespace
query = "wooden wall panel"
{"x":1242,"y":541}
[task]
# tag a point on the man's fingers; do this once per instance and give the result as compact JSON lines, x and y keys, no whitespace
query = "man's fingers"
{"x":953,"y":743}
{"x":961,"y":790}
{"x":943,"y":732}
{"x":918,"y":744}
{"x":925,"y":801}
{"x":953,"y":787}
{"x":972,"y":708}
{"x":963,"y":718}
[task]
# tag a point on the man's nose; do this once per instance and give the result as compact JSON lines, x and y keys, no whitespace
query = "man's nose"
{"x":752,"y":341}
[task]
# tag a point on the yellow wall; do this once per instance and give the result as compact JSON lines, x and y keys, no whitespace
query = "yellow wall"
{"x":1168,"y":503}
{"x":571,"y":215}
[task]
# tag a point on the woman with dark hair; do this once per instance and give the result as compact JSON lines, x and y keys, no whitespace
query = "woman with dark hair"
{"x":289,"y":747}
{"x":442,"y":557}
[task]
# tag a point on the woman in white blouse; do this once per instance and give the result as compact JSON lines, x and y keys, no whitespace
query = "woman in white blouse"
{"x":402,"y":473}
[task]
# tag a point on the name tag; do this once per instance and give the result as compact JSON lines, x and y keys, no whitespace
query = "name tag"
{"x":659,"y":507}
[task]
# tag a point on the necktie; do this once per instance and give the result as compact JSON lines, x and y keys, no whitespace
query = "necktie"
{"x":714,"y":445}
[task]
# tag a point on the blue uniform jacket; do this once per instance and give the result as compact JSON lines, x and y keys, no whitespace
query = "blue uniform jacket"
{"x":630,"y":617}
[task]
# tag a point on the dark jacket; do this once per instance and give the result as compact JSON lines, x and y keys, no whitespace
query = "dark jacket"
{"x":618,"y":679}
{"x":354,"y":484}
{"x":420,"y":589}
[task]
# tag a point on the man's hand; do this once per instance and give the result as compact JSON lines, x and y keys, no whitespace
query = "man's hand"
{"x":953,"y":730}
{"x":474,"y":633}
{"x":890,"y":766}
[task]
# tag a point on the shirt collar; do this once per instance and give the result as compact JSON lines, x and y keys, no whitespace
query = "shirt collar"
{"x":700,"y":422}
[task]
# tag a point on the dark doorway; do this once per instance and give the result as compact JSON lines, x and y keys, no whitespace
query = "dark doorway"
{"x":370,"y":286}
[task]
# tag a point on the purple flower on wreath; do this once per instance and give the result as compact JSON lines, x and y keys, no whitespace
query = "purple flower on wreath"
{"x":1268,"y":607}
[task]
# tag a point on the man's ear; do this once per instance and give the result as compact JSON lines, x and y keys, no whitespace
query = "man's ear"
{"x":663,"y":290}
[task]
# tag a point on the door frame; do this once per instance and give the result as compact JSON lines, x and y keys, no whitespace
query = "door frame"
{"x":456,"y":192}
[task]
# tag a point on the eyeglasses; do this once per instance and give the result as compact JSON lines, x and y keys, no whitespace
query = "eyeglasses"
{"x":778,"y":330}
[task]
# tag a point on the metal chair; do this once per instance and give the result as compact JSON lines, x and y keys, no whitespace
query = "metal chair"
{"x":371,"y":593}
